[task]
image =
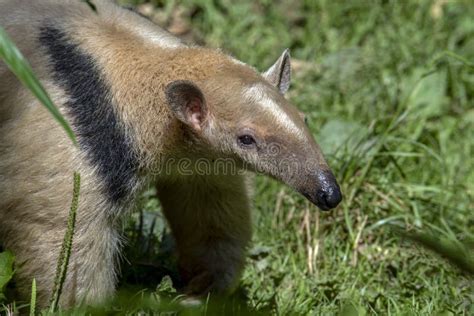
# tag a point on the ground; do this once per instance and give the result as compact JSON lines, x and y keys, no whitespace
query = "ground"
{"x":388,"y":88}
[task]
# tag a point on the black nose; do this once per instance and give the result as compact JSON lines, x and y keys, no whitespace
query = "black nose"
{"x":329,"y":197}
{"x":329,"y":194}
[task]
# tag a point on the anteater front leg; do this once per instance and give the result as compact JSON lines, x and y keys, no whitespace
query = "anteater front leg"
{"x":209,"y":217}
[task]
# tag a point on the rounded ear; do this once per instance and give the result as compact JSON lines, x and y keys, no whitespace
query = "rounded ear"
{"x":187,"y":103}
{"x":279,"y":74}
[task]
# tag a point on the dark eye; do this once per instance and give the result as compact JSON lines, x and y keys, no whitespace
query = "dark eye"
{"x":306,"y":120}
{"x":246,"y":140}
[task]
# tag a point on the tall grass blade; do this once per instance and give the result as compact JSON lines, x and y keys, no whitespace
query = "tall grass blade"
{"x":453,"y":251}
{"x":91,"y":5}
{"x":63,"y":260}
{"x":33,"y":298}
{"x":22,"y":70}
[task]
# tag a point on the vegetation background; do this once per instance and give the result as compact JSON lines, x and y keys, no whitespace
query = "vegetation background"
{"x":388,"y":88}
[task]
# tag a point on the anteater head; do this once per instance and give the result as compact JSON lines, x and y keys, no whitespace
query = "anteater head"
{"x":241,"y":114}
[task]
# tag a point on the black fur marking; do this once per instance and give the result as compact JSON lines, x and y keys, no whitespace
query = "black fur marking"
{"x":97,"y":127}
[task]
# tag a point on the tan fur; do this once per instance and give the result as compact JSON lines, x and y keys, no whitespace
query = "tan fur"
{"x":209,"y":215}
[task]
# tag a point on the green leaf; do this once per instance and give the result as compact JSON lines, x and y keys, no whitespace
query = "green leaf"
{"x":165,"y":287}
{"x":22,"y":70}
{"x":337,"y":134}
{"x":6,"y":271}
{"x":429,"y":95}
{"x":352,"y":309}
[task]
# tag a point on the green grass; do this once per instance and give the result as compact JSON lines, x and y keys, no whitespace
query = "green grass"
{"x":388,"y":87}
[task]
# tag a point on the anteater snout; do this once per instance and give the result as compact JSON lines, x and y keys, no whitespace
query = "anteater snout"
{"x":328,"y":194}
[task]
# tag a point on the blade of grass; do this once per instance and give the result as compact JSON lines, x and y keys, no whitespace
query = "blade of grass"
{"x":91,"y":5}
{"x":63,"y":260}
{"x":22,"y":70}
{"x":452,"y":250}
{"x":457,"y":57}
{"x":33,"y":299}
